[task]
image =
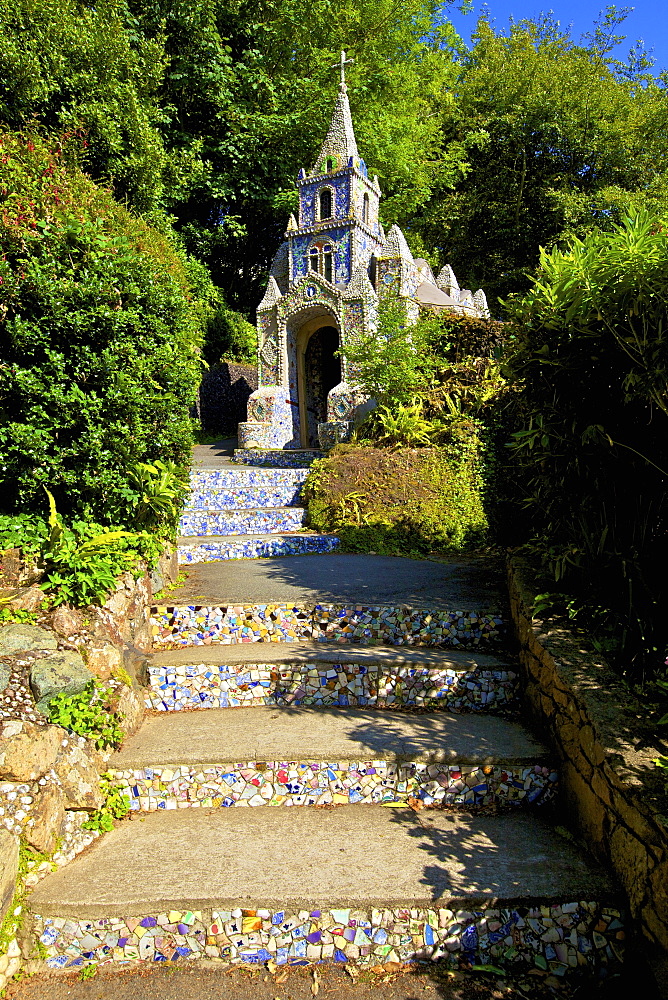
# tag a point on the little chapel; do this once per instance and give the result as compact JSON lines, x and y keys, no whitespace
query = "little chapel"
{"x":323,"y":292}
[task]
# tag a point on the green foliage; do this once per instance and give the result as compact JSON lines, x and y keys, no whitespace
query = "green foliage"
{"x":161,"y":490}
{"x":229,"y":337}
{"x":558,"y":141}
{"x":100,"y":320}
{"x":392,"y":363}
{"x":116,"y":806}
{"x":86,"y":715}
{"x":590,"y":351}
{"x":14,"y":616}
{"x":412,"y":502}
{"x":88,"y":972}
{"x":404,"y":426}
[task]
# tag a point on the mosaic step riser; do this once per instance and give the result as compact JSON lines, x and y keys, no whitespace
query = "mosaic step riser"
{"x":256,"y":548}
{"x":578,"y":939}
{"x":389,"y":626}
{"x":330,"y":685}
{"x":339,"y":783}
{"x":256,"y":521}
{"x":243,"y":479}
{"x":274,"y":458}
{"x":243,"y":498}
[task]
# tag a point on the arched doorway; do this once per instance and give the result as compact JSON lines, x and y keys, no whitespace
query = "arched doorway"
{"x":319,"y":370}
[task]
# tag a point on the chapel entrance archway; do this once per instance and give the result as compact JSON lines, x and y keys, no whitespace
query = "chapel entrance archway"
{"x":318,"y":371}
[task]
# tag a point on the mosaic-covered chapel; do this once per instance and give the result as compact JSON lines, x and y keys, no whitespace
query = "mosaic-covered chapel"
{"x":323,"y":292}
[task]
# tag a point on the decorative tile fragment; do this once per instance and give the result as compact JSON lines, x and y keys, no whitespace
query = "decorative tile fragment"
{"x":204,"y":685}
{"x":563,"y":939}
{"x":311,"y":783}
{"x":365,"y":624}
{"x":262,"y":547}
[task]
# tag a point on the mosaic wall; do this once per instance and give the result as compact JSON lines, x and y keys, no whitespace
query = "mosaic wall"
{"x":275,"y":459}
{"x":244,"y":498}
{"x":271,"y":421}
{"x":256,"y":521}
{"x":390,"y":626}
{"x":174,"y":688}
{"x":562,"y":938}
{"x":269,"y":354}
{"x":334,"y":432}
{"x":256,"y":548}
{"x":338,"y":236}
{"x":319,"y":783}
{"x":242,"y":479}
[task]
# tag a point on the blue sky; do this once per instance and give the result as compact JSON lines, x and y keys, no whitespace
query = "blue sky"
{"x":648,"y":20}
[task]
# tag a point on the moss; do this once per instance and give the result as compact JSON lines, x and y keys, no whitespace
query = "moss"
{"x":410,"y":502}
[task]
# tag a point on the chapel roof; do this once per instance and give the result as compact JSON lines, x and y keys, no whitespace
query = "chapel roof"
{"x":340,"y":139}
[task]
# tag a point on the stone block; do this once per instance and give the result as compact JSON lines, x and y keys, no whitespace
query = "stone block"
{"x":585,"y":807}
{"x":5,"y":674}
{"x":21,"y":638}
{"x":28,"y":751}
{"x":103,"y":659}
{"x":66,"y":621}
{"x":129,"y":706}
{"x":28,"y":599}
{"x":58,"y":673}
{"x":48,"y":816}
{"x":79,"y":778}
{"x":9,"y":866}
{"x":633,"y":865}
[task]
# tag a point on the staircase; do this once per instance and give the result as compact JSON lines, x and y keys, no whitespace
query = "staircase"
{"x":378,"y":696}
{"x":247,"y":511}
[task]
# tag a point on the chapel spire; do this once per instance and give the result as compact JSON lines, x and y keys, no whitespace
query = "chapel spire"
{"x":339,"y":144}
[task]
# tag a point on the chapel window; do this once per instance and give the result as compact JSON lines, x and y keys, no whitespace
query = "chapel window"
{"x":330,"y":164}
{"x":313,"y":259}
{"x":327,"y":261}
{"x":365,"y":210}
{"x":326,"y":204}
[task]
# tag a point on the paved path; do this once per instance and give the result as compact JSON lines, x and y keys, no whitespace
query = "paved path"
{"x":456,"y":584}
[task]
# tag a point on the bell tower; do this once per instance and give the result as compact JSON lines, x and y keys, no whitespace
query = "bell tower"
{"x":338,"y":226}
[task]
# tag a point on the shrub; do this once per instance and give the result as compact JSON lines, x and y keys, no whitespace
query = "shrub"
{"x":590,"y":460}
{"x":101,"y":316}
{"x":414,"y":501}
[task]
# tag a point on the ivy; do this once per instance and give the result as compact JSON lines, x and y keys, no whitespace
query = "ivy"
{"x":86,"y":714}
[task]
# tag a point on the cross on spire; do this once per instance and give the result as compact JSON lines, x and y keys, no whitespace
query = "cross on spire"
{"x":343,"y":62}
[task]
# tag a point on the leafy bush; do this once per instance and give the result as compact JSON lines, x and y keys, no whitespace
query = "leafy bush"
{"x":408,"y":502}
{"x":86,"y":715}
{"x":116,"y":806}
{"x":101,"y":316}
{"x":229,"y":337}
{"x":589,"y":451}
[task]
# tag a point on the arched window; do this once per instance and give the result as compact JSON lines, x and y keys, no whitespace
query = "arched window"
{"x":330,"y":164}
{"x":314,"y":259}
{"x":365,"y":210}
{"x":327,"y":260}
{"x":325,"y":204}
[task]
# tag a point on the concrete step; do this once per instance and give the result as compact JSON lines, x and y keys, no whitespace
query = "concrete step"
{"x":275,"y":458}
{"x":193,"y":549}
{"x":256,"y":521}
{"x":368,"y":885}
{"x":395,"y":625}
{"x":238,"y":477}
{"x":243,"y":497}
{"x":302,"y":757}
{"x":315,"y":674}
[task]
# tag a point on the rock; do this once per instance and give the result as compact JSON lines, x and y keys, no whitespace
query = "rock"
{"x":48,"y":816}
{"x":5,"y":674}
{"x":28,"y":751}
{"x":103,"y":660}
{"x":9,"y":866}
{"x":128,"y":704}
{"x":21,"y":638}
{"x":79,"y":778}
{"x":58,"y":673}
{"x":28,"y":599}
{"x":66,"y":621}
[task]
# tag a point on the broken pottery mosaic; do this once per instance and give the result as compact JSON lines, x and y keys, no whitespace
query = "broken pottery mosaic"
{"x":560,"y":938}
{"x":392,"y":626}
{"x":311,"y":783}
{"x":174,"y":688}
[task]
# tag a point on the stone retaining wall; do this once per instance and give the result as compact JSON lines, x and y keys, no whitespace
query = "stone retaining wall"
{"x":613,"y":793}
{"x":223,"y":395}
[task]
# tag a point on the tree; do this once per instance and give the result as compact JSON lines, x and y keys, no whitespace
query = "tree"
{"x":101,"y":317}
{"x":562,"y":141}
